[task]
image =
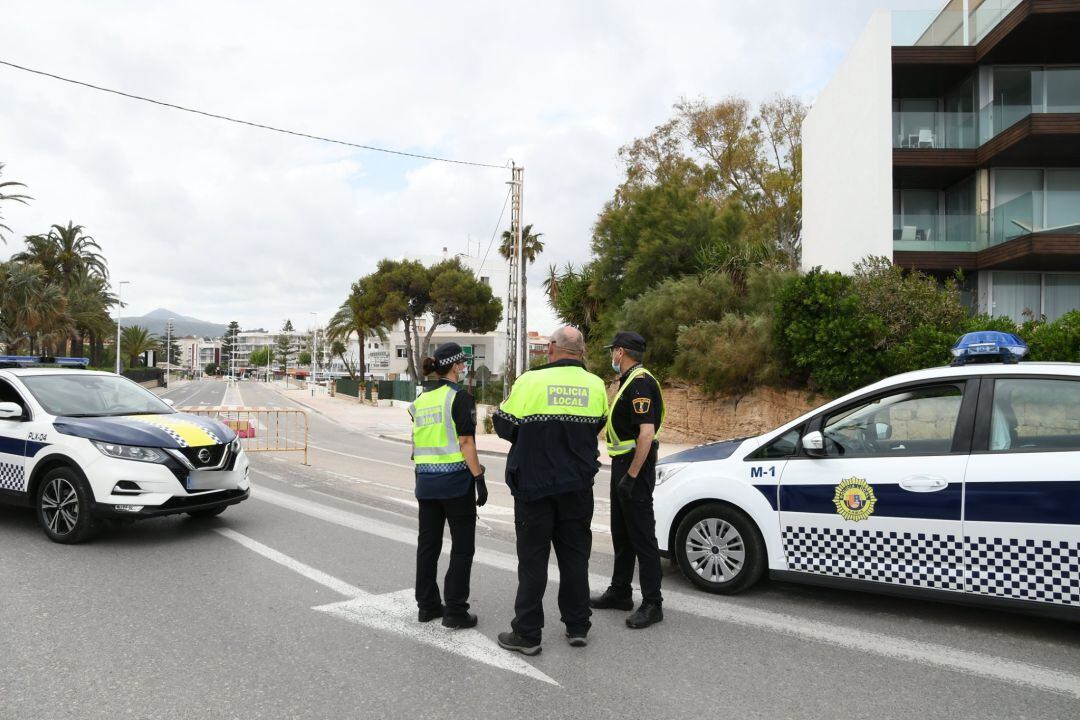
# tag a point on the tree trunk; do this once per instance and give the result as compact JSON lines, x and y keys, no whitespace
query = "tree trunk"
{"x":363,"y":357}
{"x":411,"y":365}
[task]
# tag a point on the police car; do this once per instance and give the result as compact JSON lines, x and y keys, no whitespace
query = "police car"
{"x":957,"y":483}
{"x":81,"y":447}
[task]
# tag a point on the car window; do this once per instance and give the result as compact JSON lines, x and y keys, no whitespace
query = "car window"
{"x":1035,"y":414}
{"x":780,"y":447}
{"x":79,"y":395}
{"x":917,"y":421}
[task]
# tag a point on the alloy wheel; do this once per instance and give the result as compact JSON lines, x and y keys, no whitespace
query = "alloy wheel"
{"x":60,"y":506}
{"x":715,"y":550}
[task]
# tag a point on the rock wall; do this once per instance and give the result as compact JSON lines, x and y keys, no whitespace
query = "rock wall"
{"x":693,"y":417}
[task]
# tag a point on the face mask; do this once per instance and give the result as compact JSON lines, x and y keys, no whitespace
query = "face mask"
{"x":615,"y":365}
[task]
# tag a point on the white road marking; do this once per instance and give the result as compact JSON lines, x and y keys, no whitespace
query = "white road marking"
{"x":395,"y":613}
{"x":359,"y":457}
{"x":715,"y":608}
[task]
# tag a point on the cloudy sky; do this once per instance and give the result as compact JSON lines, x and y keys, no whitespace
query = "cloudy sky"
{"x":222,"y":222}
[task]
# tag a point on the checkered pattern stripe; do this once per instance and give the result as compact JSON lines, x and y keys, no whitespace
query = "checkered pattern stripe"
{"x":1029,"y":569}
{"x":441,"y":467}
{"x":181,"y":442}
{"x":12,"y":477}
{"x":899,"y":558}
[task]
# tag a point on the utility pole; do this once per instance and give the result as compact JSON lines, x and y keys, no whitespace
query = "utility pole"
{"x":515,"y":336}
{"x":168,"y":351}
{"x":119,"y":291}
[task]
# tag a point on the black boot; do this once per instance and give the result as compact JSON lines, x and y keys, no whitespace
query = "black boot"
{"x":610,"y":600}
{"x":513,"y":641}
{"x":459,"y":622}
{"x":646,"y":615}
{"x":429,"y":614}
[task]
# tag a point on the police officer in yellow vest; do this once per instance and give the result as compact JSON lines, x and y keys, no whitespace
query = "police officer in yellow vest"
{"x":552,"y":418}
{"x":449,"y":487}
{"x":633,"y":426}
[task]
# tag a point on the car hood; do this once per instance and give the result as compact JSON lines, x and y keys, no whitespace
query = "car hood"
{"x":174,"y":430}
{"x":720,"y":450}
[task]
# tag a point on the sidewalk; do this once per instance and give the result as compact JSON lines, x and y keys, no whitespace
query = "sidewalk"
{"x":393,"y":423}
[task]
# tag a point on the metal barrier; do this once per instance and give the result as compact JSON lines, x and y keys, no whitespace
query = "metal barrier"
{"x":262,"y":429}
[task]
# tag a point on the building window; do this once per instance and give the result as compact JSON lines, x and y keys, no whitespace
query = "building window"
{"x":400,"y":351}
{"x":1022,"y":295}
{"x":486,"y":280}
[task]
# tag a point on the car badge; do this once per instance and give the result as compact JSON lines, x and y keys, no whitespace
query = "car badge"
{"x":854,"y":499}
{"x":204,"y":456}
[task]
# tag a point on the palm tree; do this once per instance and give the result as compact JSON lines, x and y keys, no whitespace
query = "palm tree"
{"x":4,"y":186}
{"x":356,"y":315}
{"x":89,"y":301}
{"x":65,"y":252}
{"x":531,"y":246}
{"x":33,"y":311}
{"x":134,"y":341}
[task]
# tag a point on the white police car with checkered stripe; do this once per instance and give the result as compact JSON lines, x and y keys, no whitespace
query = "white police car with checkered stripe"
{"x":958,"y":483}
{"x":84,"y":447}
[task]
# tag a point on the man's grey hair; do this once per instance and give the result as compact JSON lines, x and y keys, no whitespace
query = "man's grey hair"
{"x":634,"y":355}
{"x":569,"y":340}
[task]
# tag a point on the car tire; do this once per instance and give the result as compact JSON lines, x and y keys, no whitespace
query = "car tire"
{"x":719,"y":549}
{"x":204,"y":514}
{"x":63,"y":507}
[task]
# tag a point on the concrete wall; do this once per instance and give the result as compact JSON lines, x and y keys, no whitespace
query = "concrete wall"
{"x":847,"y":157}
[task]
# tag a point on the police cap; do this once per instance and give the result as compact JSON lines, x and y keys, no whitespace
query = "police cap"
{"x":449,"y":353}
{"x":628,"y":340}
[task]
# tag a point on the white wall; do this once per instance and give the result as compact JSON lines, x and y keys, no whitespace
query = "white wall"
{"x":847,"y":157}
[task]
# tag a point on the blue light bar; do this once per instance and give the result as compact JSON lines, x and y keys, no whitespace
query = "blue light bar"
{"x":34,"y":361}
{"x":988,"y":346}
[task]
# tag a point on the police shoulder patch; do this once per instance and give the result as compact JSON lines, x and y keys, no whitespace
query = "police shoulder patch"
{"x":641,"y":405}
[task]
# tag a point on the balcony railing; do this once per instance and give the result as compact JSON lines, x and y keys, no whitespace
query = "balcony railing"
{"x":948,"y":28}
{"x":1054,"y":90}
{"x":952,"y":130}
{"x":1030,"y":214}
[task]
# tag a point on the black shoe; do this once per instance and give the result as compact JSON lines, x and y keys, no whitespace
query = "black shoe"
{"x":513,"y":641}
{"x":429,"y":615}
{"x":459,"y":622}
{"x":608,"y":600}
{"x":577,"y":639}
{"x":646,"y":615}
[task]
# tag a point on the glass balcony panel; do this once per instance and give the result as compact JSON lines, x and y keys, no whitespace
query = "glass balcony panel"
{"x":942,"y":130}
{"x":985,"y":18}
{"x":1054,"y":211}
{"x":945,"y":233}
{"x":1059,"y":90}
{"x":928,"y":28}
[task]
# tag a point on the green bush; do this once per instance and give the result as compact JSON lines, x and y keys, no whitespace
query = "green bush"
{"x":734,"y":354}
{"x":659,"y":313}
{"x":1055,"y":341}
{"x":924,"y":347}
{"x":905,"y":301}
{"x":823,"y":336}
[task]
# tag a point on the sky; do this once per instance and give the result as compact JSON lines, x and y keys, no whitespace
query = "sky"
{"x":224,"y":222}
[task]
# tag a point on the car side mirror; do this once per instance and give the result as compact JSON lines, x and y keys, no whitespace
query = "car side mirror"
{"x":814,"y":443}
{"x":882,"y":430}
{"x":10,"y":411}
{"x":168,"y":401}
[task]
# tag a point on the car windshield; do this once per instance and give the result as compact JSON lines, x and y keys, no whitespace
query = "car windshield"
{"x":77,"y":395}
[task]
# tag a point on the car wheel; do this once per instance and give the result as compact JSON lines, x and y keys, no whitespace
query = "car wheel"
{"x":63,"y":507}
{"x":719,"y":549}
{"x":212,"y":512}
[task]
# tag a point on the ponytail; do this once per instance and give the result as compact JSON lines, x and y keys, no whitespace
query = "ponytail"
{"x":429,"y":365}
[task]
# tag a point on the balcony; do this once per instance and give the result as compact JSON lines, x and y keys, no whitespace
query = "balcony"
{"x":1055,"y":212}
{"x":939,"y":233}
{"x":949,"y":27}
{"x":920,"y":130}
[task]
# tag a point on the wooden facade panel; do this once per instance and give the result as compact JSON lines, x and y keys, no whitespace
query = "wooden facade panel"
{"x":929,"y":55}
{"x":930,"y":157}
{"x":1041,"y":251}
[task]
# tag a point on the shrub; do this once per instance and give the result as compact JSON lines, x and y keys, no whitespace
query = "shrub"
{"x":659,"y":313}
{"x":924,"y":347}
{"x":733,"y":354}
{"x":822,"y":335}
{"x":905,"y":301}
{"x":1055,"y":341}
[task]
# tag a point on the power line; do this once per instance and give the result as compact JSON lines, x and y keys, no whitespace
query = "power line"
{"x":498,"y":224}
{"x":248,"y":122}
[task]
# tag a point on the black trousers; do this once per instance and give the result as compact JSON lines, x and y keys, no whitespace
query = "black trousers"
{"x":460,"y":513}
{"x":633,"y":530}
{"x":563,"y":521}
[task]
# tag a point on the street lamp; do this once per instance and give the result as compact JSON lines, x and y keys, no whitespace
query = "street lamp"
{"x":314,"y":352}
{"x":119,"y":290}
{"x":168,"y":351}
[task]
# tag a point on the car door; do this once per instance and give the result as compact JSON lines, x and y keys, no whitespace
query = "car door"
{"x":12,"y":442}
{"x":881,"y":501}
{"x":1022,"y":491}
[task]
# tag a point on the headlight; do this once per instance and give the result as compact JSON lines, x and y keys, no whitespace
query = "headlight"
{"x":130,"y":452}
{"x":235,"y":445}
{"x":665,"y":471}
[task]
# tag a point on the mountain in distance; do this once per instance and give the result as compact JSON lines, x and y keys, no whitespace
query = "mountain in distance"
{"x":156,"y":320}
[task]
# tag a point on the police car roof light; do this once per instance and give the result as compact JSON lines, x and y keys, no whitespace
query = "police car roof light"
{"x":35,"y":360}
{"x":988,"y":346}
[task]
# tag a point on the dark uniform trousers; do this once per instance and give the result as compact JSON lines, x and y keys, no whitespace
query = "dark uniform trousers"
{"x":460,"y":513}
{"x":565,"y":521}
{"x":633,"y":530}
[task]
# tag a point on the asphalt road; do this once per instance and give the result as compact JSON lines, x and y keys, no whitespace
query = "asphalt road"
{"x":298,"y":604}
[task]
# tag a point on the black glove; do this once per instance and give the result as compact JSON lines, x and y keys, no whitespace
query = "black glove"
{"x":481,"y":490}
{"x":626,"y":485}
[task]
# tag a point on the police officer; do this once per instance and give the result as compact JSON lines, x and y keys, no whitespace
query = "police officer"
{"x":637,"y":414}
{"x":449,"y":487}
{"x":552,"y":418}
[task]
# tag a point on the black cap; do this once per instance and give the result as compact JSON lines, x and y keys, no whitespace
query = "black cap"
{"x":628,"y":340}
{"x":447,"y":354}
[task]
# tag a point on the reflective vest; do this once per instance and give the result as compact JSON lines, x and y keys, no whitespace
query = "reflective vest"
{"x":554,"y":393}
{"x":615,"y":446}
{"x":435,"y":440}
